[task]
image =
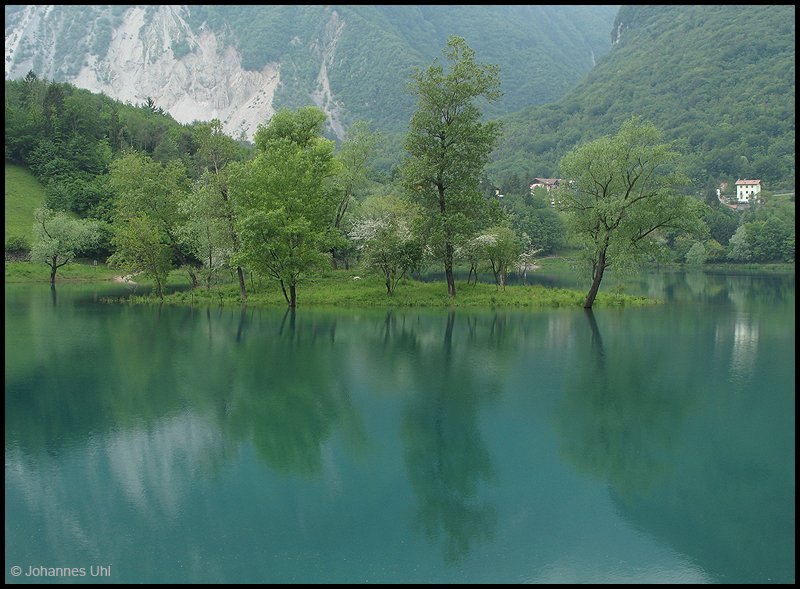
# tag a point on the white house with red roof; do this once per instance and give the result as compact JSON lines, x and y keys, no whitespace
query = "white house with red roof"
{"x":548,"y":183}
{"x":746,"y":190}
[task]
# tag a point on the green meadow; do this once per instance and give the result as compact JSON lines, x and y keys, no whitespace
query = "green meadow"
{"x":23,"y":194}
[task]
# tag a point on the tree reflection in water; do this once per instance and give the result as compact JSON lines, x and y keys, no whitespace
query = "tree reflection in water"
{"x":288,"y":397}
{"x":446,"y":456}
{"x":624,"y":403}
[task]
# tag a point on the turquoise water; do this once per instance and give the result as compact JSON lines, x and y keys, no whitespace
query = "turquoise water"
{"x":217,"y":445}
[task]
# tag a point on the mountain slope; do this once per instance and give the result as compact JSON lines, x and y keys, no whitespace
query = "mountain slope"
{"x":719,"y":78}
{"x":241,"y":63}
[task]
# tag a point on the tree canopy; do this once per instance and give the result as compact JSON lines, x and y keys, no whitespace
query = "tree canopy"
{"x":619,"y":192}
{"x":448,"y":146}
{"x":286,"y":200}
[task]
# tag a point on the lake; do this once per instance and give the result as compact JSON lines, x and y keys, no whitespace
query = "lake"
{"x":184,"y":445}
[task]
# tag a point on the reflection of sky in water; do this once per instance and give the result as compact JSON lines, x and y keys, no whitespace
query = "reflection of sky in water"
{"x":148,"y":470}
{"x":740,"y":336}
{"x":151,"y":465}
{"x":745,"y":346}
{"x":144,"y":483}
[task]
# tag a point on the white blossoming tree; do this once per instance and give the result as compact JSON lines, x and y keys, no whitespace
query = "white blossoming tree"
{"x":384,"y":237}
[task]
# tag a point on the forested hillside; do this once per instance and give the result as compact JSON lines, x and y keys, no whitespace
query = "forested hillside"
{"x":718,"y":79}
{"x":67,"y":138}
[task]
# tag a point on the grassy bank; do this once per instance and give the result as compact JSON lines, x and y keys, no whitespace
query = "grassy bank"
{"x":343,"y":289}
{"x":33,"y":272}
{"x":23,"y":193}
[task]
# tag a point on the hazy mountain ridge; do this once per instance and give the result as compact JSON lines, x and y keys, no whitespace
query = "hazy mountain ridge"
{"x":241,"y":63}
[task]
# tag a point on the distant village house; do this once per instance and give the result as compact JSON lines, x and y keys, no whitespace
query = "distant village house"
{"x":746,"y":190}
{"x":549,"y":184}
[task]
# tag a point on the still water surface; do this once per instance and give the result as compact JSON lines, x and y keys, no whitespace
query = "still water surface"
{"x":213,"y":445}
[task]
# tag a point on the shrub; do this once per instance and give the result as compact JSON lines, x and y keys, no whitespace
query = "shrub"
{"x":17,"y":245}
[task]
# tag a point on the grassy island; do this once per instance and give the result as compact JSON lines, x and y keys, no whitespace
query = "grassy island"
{"x":340,"y":288}
{"x":349,"y":289}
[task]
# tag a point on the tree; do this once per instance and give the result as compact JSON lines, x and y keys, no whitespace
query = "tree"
{"x":59,"y":237}
{"x":739,"y":249}
{"x":448,"y":148}
{"x":722,"y":223}
{"x":697,"y":254}
{"x":145,"y":188}
{"x":619,"y":193}
{"x":384,"y":237}
{"x":285,"y":199}
{"x":501,"y":246}
{"x":205,"y":229}
{"x":527,"y":258}
{"x":215,"y":151}
{"x":357,"y":149}
{"x":140,"y":247}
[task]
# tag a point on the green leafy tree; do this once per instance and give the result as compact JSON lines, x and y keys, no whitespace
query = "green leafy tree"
{"x":286,"y":200}
{"x":140,"y":247}
{"x":449,"y":146}
{"x":739,"y":249}
{"x":722,"y":223}
{"x":147,"y":189}
{"x":59,"y":237}
{"x":212,"y":199}
{"x":354,"y":155}
{"x":715,"y":252}
{"x":205,"y":229}
{"x":620,"y":192}
{"x":697,"y":254}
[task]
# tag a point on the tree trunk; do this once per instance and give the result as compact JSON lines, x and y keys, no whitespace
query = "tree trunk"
{"x":285,"y":294}
{"x":597,"y":276}
{"x":192,"y":276}
{"x":292,"y":296}
{"x":388,"y":280}
{"x":53,"y":268}
{"x":448,"y":249}
{"x":448,"y":270}
{"x":242,"y":289}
